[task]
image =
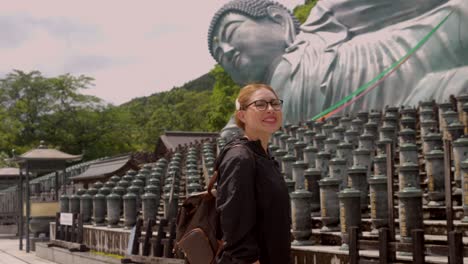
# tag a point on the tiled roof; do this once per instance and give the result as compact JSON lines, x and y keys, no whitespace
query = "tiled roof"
{"x":9,"y":172}
{"x":173,"y":139}
{"x":48,"y":154}
{"x":103,"y":168}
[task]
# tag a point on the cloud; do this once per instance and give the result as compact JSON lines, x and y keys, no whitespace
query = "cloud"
{"x":132,"y":49}
{"x":17,"y":29}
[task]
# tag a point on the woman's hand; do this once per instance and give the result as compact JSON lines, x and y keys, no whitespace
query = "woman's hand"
{"x":256,"y":262}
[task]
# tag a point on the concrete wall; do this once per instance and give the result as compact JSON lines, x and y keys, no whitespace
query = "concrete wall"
{"x":64,"y":256}
{"x":102,"y":239}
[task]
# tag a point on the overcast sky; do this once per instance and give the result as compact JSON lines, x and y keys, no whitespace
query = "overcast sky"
{"x":131,"y":48}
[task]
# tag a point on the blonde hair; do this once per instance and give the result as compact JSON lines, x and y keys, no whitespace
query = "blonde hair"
{"x":244,"y":98}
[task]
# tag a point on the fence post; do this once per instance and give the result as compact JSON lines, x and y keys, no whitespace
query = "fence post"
{"x":158,"y":247}
{"x":448,"y":185}
{"x":353,"y":245}
{"x":455,"y":247}
{"x":148,"y":235}
{"x":79,"y":230}
{"x":57,"y":227}
{"x":391,"y":216}
{"x":72,"y":236}
{"x":418,"y":246}
{"x":136,"y":242}
{"x":169,"y":243}
{"x":383,"y":245}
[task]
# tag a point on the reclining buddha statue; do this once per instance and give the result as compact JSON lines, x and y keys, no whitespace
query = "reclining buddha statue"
{"x":342,"y":46}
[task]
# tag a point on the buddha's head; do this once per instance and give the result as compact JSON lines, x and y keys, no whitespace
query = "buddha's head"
{"x":247,"y":37}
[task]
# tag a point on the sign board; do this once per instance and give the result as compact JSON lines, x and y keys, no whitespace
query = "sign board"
{"x":66,"y":219}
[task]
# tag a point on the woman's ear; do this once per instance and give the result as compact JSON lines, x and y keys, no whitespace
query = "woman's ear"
{"x":241,"y":115}
{"x":283,"y":17}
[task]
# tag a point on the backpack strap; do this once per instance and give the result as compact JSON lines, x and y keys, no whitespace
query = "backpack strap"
{"x":214,"y":178}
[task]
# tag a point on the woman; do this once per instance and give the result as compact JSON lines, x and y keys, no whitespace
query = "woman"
{"x":252,"y":197}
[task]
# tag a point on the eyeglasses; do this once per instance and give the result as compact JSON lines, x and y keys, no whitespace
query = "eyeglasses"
{"x":262,"y":105}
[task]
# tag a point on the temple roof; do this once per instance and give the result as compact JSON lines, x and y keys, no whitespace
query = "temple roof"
{"x":170,"y":140}
{"x":107,"y":167}
{"x":9,"y":172}
{"x":44,"y":153}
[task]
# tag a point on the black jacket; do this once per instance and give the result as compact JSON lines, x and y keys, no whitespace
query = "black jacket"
{"x":254,"y":206}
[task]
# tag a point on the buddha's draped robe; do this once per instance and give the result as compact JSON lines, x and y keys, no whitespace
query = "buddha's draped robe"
{"x":347,"y":43}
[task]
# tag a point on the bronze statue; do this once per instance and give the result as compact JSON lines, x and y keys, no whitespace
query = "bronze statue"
{"x":343,"y":45}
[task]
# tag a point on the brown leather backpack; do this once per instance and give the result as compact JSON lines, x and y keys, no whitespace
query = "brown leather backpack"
{"x":197,"y":224}
{"x":198,"y":234}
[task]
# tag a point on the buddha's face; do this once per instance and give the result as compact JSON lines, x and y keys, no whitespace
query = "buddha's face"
{"x":246,"y":47}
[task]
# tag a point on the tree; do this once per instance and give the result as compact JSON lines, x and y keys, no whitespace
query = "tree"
{"x":301,"y":12}
{"x":34,"y":108}
{"x":222,"y":102}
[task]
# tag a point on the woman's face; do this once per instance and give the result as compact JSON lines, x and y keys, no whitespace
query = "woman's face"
{"x":261,"y":123}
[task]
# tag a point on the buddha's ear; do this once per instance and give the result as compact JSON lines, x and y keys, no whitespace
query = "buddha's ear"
{"x":283,"y":17}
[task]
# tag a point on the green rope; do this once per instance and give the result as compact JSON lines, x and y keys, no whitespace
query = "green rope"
{"x":382,"y":74}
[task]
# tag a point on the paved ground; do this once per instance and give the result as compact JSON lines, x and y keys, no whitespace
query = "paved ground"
{"x":10,"y":253}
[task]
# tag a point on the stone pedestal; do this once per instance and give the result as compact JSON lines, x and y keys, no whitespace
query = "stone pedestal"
{"x":431,"y":141}
{"x":408,"y":176}
{"x":312,"y":178}
{"x":460,"y":153}
{"x":375,"y":116}
{"x":299,"y":150}
{"x":74,"y":206}
{"x":150,"y":204}
{"x":380,"y":164}
{"x":410,"y":212}
{"x":86,"y":207}
{"x":329,"y":204}
{"x":309,"y":137}
{"x":319,"y":141}
{"x":114,"y":205}
{"x":338,"y":170}
{"x":321,"y":163}
{"x":330,"y":145}
{"x":408,"y":123}
{"x":338,"y":133}
{"x":464,"y":172}
{"x":64,"y":203}
{"x":350,"y":215}
{"x":345,"y":122}
{"x":130,"y":210}
{"x":366,"y":141}
{"x":407,"y":136}
{"x":99,"y":209}
{"x":290,"y":142}
{"x":193,"y":188}
{"x":344,"y":150}
{"x":351,"y":137}
{"x":357,"y":125}
{"x":298,"y":174}
{"x":287,"y":162}
{"x":435,"y":177}
{"x":357,"y":179}
{"x":378,"y":202}
{"x":119,"y":190}
{"x":301,"y":221}
{"x":310,"y":155}
{"x":362,"y":157}
{"x":408,"y":153}
{"x":428,"y":126}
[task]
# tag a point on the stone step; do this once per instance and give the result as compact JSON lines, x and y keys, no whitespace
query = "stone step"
{"x":330,"y":254}
{"x":334,"y":238}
